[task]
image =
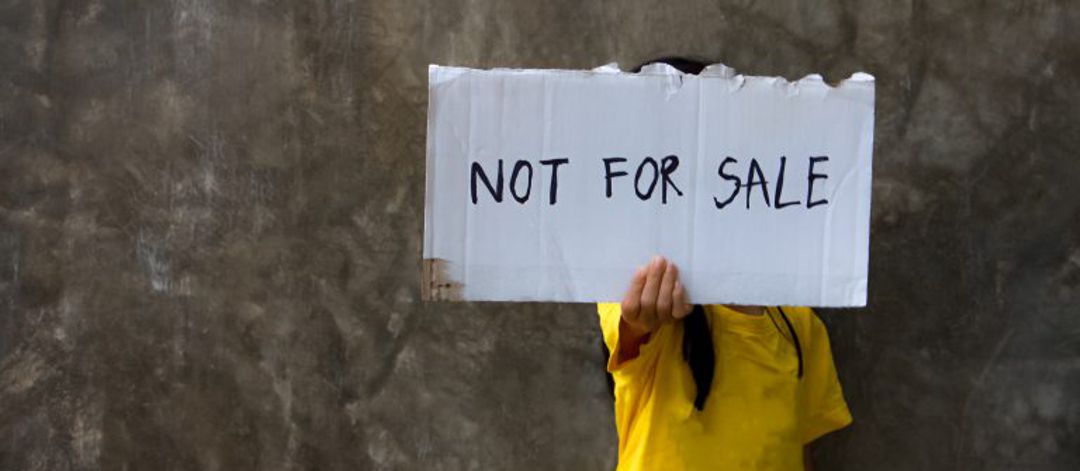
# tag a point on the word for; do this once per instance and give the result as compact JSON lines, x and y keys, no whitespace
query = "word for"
{"x":661,"y":171}
{"x":649,"y":174}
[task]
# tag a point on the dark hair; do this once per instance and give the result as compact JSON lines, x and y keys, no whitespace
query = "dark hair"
{"x":698,"y":350}
{"x":683,"y":64}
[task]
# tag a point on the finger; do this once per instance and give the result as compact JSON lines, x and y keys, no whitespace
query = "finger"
{"x":664,"y":301}
{"x":652,"y":289}
{"x":682,"y":306}
{"x":632,"y":299}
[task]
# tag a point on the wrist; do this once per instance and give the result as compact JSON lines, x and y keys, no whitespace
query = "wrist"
{"x":631,"y":334}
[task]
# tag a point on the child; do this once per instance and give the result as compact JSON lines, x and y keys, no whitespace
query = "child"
{"x":716,"y":387}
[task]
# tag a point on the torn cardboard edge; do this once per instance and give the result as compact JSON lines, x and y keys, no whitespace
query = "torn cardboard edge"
{"x":717,"y":70}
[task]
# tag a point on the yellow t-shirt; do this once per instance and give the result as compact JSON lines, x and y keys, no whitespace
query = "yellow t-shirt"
{"x":758,"y":415}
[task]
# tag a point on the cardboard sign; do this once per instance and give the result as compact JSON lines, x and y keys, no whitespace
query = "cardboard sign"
{"x":554,"y":185}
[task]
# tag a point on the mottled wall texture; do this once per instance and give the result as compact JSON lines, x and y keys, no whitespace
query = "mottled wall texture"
{"x":211,"y":216}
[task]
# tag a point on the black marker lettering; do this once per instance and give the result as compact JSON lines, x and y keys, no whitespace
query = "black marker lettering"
{"x":729,"y":177}
{"x":496,"y":191}
{"x":652,"y":184}
{"x":513,"y":181}
{"x":810,"y":177}
{"x":554,"y":188}
{"x":751,"y":181}
{"x":780,"y":187}
{"x":608,"y":174}
{"x":667,"y":166}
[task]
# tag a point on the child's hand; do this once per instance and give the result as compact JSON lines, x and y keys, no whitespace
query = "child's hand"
{"x":655,"y":296}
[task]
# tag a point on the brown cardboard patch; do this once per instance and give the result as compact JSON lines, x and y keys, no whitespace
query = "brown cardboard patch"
{"x":436,"y":284}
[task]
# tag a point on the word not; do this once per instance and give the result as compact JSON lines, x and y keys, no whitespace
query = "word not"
{"x":497,"y":189}
{"x":756,"y":177}
{"x":661,"y":172}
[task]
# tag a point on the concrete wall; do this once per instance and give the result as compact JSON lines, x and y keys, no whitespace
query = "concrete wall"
{"x":211,"y":214}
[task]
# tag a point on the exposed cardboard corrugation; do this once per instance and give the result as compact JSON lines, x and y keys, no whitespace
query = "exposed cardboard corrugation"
{"x":435,"y":282}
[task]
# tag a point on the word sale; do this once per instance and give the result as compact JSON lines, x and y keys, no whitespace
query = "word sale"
{"x":755,"y":177}
{"x":650,"y":173}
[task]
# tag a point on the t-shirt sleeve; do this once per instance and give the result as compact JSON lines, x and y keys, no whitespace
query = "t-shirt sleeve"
{"x":645,"y":362}
{"x":823,"y":407}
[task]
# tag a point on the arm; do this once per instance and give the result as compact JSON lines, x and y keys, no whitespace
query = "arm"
{"x":823,"y":405}
{"x":630,"y":341}
{"x":655,"y":297}
{"x":825,"y":409}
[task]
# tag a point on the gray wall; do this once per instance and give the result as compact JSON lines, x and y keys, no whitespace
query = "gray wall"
{"x":211,"y":214}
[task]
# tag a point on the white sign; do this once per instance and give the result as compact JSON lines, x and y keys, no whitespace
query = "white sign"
{"x":555,"y":185}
